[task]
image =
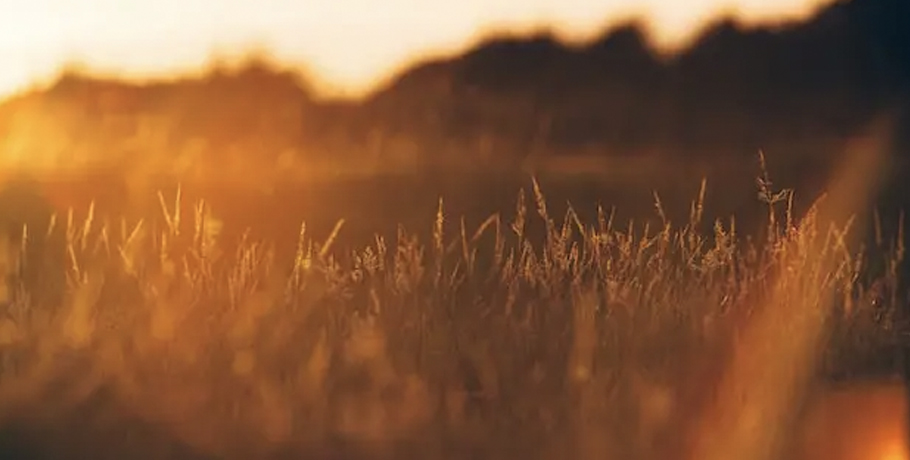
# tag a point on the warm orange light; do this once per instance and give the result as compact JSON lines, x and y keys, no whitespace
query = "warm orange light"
{"x":351,"y":43}
{"x":895,"y":451}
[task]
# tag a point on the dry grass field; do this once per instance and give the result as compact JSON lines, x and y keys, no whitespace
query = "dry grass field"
{"x":526,"y":249}
{"x":497,"y":322}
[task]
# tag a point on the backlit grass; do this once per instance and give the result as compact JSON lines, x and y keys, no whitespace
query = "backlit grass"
{"x":594,"y":339}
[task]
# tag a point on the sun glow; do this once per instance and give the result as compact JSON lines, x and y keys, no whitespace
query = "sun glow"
{"x":348,"y":46}
{"x":897,"y":451}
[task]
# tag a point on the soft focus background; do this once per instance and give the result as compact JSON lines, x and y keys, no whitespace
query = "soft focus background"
{"x":348,"y":44}
{"x":275,"y":230}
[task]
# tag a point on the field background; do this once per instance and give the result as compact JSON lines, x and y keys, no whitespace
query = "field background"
{"x":526,"y":251}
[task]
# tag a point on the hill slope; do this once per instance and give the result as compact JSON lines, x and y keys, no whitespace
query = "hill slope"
{"x":795,"y":89}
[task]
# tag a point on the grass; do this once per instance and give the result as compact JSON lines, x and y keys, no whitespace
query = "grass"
{"x":591,"y":340}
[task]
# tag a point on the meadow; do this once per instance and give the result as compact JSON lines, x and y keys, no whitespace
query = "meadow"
{"x":505,"y":323}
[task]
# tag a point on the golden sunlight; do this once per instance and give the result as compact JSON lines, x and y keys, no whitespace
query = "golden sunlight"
{"x":348,"y":46}
{"x":896,"y":451}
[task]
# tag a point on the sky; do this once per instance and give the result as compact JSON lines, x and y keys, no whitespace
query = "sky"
{"x":347,"y":46}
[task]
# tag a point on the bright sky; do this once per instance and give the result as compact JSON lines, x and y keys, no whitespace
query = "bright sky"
{"x":351,"y":44}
